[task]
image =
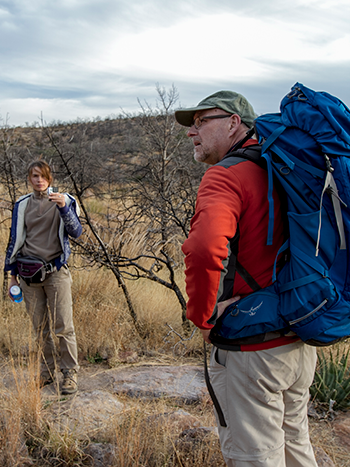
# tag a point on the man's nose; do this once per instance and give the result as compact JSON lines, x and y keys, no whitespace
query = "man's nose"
{"x":192,"y":131}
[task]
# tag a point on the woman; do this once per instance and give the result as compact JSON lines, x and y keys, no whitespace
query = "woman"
{"x":41,"y":223}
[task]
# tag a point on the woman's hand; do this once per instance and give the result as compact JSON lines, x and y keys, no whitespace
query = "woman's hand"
{"x":13,"y":282}
{"x":58,"y":198}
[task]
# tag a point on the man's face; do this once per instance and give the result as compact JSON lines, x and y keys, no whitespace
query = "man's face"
{"x":210,"y":137}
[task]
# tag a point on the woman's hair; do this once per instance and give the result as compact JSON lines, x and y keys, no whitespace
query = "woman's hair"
{"x":44,"y":168}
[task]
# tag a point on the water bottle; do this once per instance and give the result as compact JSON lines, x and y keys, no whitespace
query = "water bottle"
{"x":16,"y":293}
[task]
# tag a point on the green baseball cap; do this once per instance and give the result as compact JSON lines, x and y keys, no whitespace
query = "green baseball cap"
{"x":229,"y":101}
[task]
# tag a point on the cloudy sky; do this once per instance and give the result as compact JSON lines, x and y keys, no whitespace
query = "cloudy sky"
{"x":69,"y":59}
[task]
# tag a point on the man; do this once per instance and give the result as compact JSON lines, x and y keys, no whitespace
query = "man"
{"x":262,"y":388}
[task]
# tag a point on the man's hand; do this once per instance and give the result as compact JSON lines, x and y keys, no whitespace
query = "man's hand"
{"x":205,"y":334}
{"x":223,"y":305}
{"x":221,"y":308}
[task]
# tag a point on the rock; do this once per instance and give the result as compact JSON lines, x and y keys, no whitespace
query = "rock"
{"x":87,"y":413}
{"x":312,"y":411}
{"x":322,"y":458}
{"x":128,"y":356}
{"x":342,"y":429}
{"x":100,"y":455}
{"x":184,"y":384}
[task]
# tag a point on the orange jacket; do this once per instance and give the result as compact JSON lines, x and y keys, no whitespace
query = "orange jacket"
{"x":229,"y":195}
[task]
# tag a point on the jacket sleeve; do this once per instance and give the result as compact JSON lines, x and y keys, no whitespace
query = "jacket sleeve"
{"x":11,"y":266}
{"x":218,"y":209}
{"x":70,"y":217}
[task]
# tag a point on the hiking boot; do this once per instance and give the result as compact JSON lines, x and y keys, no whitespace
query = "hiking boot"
{"x":70,"y":382}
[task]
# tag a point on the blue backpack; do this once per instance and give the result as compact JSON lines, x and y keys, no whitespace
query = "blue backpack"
{"x":307,"y":151}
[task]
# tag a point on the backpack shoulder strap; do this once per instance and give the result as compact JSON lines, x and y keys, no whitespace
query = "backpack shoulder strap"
{"x":240,"y":154}
{"x":235,"y":266}
{"x":249,"y":153}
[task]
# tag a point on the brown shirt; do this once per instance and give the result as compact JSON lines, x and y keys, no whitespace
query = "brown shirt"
{"x":42,"y":220}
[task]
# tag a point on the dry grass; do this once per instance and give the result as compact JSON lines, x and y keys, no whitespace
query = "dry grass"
{"x":103,"y":323}
{"x":322,"y":436}
{"x":22,"y":406}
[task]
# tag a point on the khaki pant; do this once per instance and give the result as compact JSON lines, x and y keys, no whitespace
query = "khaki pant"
{"x":49,"y":305}
{"x":264,"y":397}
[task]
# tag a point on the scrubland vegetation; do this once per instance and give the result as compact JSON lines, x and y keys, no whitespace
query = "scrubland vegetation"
{"x":136,"y":183}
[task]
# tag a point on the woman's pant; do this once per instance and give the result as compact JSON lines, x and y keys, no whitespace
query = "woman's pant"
{"x":49,"y":304}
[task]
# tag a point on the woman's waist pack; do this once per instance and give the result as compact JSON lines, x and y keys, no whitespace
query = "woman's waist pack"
{"x":34,"y":270}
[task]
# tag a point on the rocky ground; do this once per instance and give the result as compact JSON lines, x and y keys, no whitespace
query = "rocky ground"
{"x":106,"y":392}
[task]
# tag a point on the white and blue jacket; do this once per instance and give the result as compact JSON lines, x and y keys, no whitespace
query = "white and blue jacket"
{"x":69,"y":226}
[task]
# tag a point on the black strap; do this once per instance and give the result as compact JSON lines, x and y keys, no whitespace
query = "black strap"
{"x":235,"y":266}
{"x":228,"y":280}
{"x":211,"y":390}
{"x":247,"y":277}
{"x":249,"y":134}
{"x":250,"y":153}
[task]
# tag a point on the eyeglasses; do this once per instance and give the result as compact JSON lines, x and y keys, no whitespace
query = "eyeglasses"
{"x":199,"y":120}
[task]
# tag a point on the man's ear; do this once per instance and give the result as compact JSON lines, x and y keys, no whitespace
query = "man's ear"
{"x":235,"y":122}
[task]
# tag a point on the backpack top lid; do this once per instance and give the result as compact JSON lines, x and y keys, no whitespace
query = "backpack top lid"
{"x":325,"y":117}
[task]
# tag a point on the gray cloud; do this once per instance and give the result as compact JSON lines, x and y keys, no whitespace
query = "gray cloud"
{"x":66,"y":58}
{"x":265,"y":95}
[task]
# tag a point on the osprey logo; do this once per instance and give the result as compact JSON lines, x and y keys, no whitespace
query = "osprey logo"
{"x":253,"y":310}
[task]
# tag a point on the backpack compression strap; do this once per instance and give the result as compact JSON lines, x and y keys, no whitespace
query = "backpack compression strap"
{"x":330,"y":186}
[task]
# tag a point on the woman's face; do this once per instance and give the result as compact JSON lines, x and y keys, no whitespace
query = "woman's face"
{"x":38,"y":182}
